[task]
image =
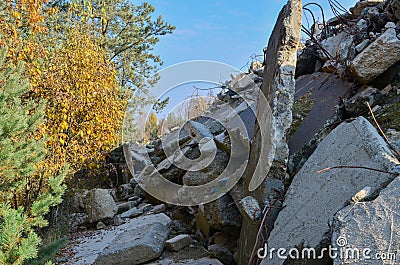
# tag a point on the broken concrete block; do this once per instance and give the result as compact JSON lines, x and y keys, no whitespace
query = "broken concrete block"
{"x":250,"y":209}
{"x":99,"y":205}
{"x":178,"y":243}
{"x":371,"y":225}
{"x":360,"y":47}
{"x":279,"y":88}
{"x":377,"y":57}
{"x":313,"y":198}
{"x":135,"y":246}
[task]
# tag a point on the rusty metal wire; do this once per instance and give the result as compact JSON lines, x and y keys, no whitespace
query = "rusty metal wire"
{"x":316,"y":42}
{"x":340,"y":13}
{"x":324,"y":29}
{"x":265,"y":230}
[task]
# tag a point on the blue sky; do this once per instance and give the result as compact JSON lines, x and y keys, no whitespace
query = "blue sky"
{"x":224,"y":31}
{"x":228,"y":32}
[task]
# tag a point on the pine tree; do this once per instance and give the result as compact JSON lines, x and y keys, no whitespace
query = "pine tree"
{"x":24,"y":199}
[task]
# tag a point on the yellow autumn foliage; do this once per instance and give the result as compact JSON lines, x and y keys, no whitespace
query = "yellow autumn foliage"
{"x":21,"y":23}
{"x":85,"y":106}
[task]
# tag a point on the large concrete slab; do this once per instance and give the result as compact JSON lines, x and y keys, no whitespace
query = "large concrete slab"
{"x":325,"y":91}
{"x":370,"y":225}
{"x":313,"y":199}
{"x":135,"y":246}
{"x":377,"y":57}
{"x":279,"y":88}
{"x":87,"y":248}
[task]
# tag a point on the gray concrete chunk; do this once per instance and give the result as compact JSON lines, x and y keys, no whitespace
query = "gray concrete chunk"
{"x":178,"y":243}
{"x":87,"y":248}
{"x":313,"y":199}
{"x":377,"y":57}
{"x":135,"y":246}
{"x":370,"y":225}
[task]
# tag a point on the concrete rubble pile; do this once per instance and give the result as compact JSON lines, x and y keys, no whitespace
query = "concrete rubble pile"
{"x":193,"y":235}
{"x":333,"y":182}
{"x":343,"y":176}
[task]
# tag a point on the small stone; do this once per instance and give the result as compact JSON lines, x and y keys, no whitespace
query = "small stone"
{"x":362,"y":194}
{"x":362,"y":24}
{"x":386,"y":90}
{"x":158,"y":208}
{"x":376,"y":108}
{"x":125,"y":206}
{"x":132,"y":213}
{"x":118,"y":220}
{"x":362,"y":45}
{"x":178,"y":243}
{"x":250,"y":209}
{"x":100,"y":225}
{"x":390,"y":25}
{"x":146,"y":207}
{"x":372,"y":35}
{"x":134,"y":198}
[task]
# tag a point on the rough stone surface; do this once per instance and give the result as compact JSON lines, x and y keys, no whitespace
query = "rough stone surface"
{"x":99,"y":205}
{"x":135,"y":246}
{"x":77,"y":201}
{"x":250,"y":209}
{"x":125,"y":206}
{"x":197,"y":130}
{"x":134,"y":212}
{"x":87,"y":248}
{"x":340,"y":47}
{"x":325,"y":90}
{"x":377,"y":57}
{"x":313,"y":199}
{"x":77,"y":219}
{"x":362,"y":45}
{"x":178,"y":243}
{"x":202,"y":261}
{"x":394,"y":138}
{"x":222,"y":215}
{"x":372,"y":225}
{"x":279,"y":88}
{"x":211,"y":172}
{"x":221,"y":253}
{"x":357,"y":104}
